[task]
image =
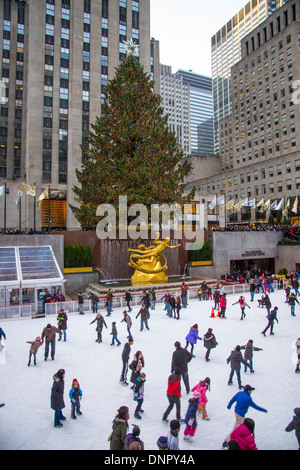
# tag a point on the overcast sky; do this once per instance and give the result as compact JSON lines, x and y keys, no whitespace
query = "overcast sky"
{"x":184,"y":29}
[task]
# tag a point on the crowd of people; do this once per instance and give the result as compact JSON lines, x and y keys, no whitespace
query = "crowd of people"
{"x":242,"y":436}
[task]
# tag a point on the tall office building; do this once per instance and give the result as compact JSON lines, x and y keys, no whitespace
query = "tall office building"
{"x":226,"y":51}
{"x":260,"y":139}
{"x":57,"y":57}
{"x":187,"y":98}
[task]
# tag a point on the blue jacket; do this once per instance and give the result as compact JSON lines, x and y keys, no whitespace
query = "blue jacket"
{"x":2,"y":334}
{"x":243,"y":402}
{"x":75,"y":394}
{"x":192,"y":336}
{"x":192,"y":412}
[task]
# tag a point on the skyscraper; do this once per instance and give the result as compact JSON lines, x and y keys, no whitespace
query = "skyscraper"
{"x":57,"y":57}
{"x":187,"y":98}
{"x":226,"y":51}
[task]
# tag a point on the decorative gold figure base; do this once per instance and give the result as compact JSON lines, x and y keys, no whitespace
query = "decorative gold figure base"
{"x":149,"y":263}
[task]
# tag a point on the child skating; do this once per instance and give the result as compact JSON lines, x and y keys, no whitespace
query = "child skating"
{"x":191,"y":418}
{"x":199,"y":391}
{"x":35,"y":345}
{"x":75,"y":395}
{"x":243,"y":305}
{"x":114,"y":333}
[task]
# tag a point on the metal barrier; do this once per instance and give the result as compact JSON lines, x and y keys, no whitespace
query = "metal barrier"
{"x":16,"y":311}
{"x":72,"y":306}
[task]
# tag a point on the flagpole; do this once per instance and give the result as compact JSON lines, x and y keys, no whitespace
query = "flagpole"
{"x":34,"y":210}
{"x":20,"y":206}
{"x":4,"y":212}
{"x":49,"y":211}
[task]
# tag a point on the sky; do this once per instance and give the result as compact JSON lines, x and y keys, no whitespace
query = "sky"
{"x":184,"y":29}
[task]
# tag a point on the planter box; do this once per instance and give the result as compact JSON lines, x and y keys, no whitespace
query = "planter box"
{"x":201,"y":263}
{"x":78,"y":270}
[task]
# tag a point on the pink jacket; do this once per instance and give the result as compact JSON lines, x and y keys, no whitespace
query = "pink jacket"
{"x":244,"y":437}
{"x":199,"y":391}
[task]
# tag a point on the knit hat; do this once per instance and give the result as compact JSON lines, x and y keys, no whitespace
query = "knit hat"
{"x":49,"y":325}
{"x":38,"y":338}
{"x":162,"y":442}
{"x":174,"y":424}
{"x":74,"y":381}
{"x":177,"y":344}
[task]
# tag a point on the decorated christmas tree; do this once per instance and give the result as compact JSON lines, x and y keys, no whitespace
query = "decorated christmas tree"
{"x":130,"y":150}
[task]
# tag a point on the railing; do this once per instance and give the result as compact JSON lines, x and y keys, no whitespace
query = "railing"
{"x":72,"y":306}
{"x":16,"y":311}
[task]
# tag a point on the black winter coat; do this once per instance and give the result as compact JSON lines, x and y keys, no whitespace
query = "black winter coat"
{"x":236,"y":359}
{"x":57,"y":394}
{"x":180,"y":358}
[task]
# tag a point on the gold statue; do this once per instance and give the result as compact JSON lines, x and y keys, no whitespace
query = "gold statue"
{"x":150,"y":265}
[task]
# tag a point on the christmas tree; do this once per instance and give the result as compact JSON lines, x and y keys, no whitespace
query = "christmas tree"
{"x":130,"y":150}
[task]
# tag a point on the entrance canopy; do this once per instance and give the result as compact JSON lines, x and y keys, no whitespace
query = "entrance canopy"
{"x":26,"y":270}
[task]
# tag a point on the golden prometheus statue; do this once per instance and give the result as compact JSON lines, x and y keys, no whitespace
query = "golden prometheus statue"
{"x":149,"y":263}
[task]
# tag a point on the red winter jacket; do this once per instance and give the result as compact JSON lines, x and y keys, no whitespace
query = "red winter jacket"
{"x":223,"y":301}
{"x":244,"y":437}
{"x":173,"y":386}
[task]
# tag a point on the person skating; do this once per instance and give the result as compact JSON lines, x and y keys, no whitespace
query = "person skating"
{"x":62,"y":319}
{"x":128,"y":321}
{"x":2,"y":335}
{"x":244,"y":435}
{"x":180,"y":359}
{"x":223,"y":305}
{"x":297,"y":344}
{"x":75,"y":395}
{"x":173,"y":395}
{"x":173,"y":435}
{"x":266,"y":302}
{"x":35,"y":345}
{"x":80,"y":303}
{"x":178,"y":307}
{"x":57,"y":397}
{"x":100,"y":323}
{"x":243,"y":402}
{"x":128,"y":299}
{"x":192,"y":337}
{"x":49,"y":333}
{"x":248,"y":355}
{"x":136,"y":367}
{"x":272,"y":316}
{"x":243,"y":304}
{"x":119,"y":429}
{"x":125,"y":360}
{"x":292,"y":301}
{"x":133,"y":436}
{"x":145,"y":315}
{"x":191,"y":418}
{"x":209,"y":342}
{"x":294,"y":425}
{"x":173,"y":306}
{"x":138,"y":394}
{"x":114,"y":333}
{"x":199,"y":391}
{"x":236,"y":359}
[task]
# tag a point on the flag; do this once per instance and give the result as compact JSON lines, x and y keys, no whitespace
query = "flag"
{"x":230,"y":204}
{"x":2,"y":190}
{"x":261,"y":202}
{"x":273,"y":205}
{"x":252,"y":202}
{"x":295,"y":206}
{"x":213,"y":203}
{"x":237,"y":207}
{"x":220,"y":201}
{"x":280,"y":205}
{"x":44,"y":195}
{"x":245,"y":202}
{"x":19,"y":195}
{"x":265,"y":206}
{"x":285,"y":210}
{"x":26,"y":188}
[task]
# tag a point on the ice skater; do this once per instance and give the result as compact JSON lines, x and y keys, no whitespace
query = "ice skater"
{"x":248,"y":355}
{"x":243,"y":304}
{"x":75,"y":395}
{"x":114,"y":333}
{"x":192,"y":337}
{"x":272,"y":316}
{"x":125,"y":359}
{"x":191,"y":418}
{"x":235,"y":359}
{"x":35,"y":345}
{"x":100,"y":323}
{"x":199,"y":391}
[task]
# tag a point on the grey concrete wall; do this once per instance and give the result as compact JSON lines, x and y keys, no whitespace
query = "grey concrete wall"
{"x":288,"y":256}
{"x":229,"y":246}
